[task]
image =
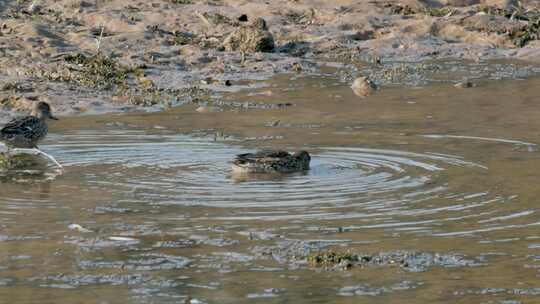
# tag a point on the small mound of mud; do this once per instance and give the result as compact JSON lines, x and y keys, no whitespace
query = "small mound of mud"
{"x":251,"y":38}
{"x":314,"y":254}
{"x":97,"y":70}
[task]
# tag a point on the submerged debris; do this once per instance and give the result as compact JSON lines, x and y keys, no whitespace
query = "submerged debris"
{"x":143,"y":262}
{"x":76,"y":280}
{"x":332,"y":258}
{"x":22,"y":161}
{"x":315,"y":254}
{"x":368,"y":290}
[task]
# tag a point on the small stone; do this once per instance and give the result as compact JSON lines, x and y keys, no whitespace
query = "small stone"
{"x":464,"y":84}
{"x":363,"y":87}
{"x":228,"y":83}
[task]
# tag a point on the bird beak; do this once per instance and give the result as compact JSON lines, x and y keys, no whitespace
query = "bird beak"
{"x":53,"y":118}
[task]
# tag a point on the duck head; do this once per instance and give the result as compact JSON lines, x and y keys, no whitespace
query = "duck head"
{"x":42,"y":110}
{"x":303,"y":157}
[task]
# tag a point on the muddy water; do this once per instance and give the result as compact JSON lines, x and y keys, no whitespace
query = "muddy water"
{"x":445,"y":176}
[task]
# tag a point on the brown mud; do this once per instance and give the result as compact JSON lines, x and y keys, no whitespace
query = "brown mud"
{"x":88,"y":57}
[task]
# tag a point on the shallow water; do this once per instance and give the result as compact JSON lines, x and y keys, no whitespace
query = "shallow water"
{"x":148,"y":210}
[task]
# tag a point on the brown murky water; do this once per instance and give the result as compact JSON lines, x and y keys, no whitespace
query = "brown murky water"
{"x":450,"y":174}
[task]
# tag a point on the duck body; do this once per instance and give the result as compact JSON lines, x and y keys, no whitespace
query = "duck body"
{"x":271,"y":161}
{"x":27,"y":131}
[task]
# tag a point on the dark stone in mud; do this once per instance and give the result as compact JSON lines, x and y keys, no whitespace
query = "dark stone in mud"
{"x":295,"y":48}
{"x":243,"y":18}
{"x":362,"y":35}
{"x":251,"y":38}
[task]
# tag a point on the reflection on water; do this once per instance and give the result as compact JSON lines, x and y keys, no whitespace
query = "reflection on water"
{"x":153,"y":215}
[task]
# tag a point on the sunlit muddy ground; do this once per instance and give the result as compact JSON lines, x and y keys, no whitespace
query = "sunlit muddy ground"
{"x":434,"y":188}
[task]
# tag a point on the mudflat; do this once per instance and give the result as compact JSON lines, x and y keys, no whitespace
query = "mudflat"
{"x":94,"y":56}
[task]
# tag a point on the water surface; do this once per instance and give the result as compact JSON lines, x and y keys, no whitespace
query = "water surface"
{"x":148,"y":210}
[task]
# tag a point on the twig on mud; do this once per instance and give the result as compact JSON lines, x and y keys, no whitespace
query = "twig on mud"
{"x":203,"y":18}
{"x":98,"y":40}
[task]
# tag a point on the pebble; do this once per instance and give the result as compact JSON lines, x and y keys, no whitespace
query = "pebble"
{"x":363,"y":87}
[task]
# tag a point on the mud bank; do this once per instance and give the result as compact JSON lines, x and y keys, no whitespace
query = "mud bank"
{"x":106,"y":56}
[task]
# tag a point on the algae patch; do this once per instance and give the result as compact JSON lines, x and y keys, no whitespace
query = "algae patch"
{"x":124,"y":83}
{"x":332,"y":258}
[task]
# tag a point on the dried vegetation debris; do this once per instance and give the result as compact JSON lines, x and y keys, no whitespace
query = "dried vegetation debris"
{"x":320,"y":254}
{"x":408,"y":260}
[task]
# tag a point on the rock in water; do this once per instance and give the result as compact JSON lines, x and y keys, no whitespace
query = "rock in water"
{"x":363,"y":87}
{"x":22,"y":161}
{"x":251,"y":38}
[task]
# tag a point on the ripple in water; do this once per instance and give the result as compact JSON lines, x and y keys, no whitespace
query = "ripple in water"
{"x":387,"y":188}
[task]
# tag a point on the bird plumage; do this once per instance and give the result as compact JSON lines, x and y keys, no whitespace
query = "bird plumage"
{"x":266,"y":161}
{"x":27,"y":131}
